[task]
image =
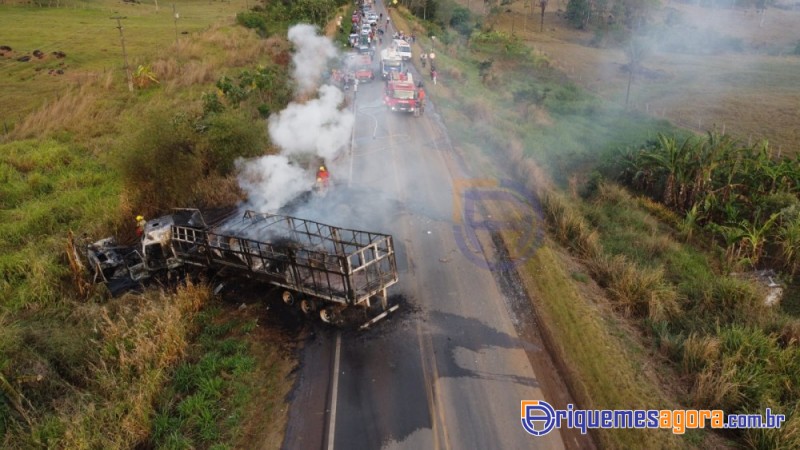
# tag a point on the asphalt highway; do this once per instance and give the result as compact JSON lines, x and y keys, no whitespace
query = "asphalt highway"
{"x":449,"y":369}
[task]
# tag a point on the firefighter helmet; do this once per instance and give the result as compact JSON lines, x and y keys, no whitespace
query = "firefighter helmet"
{"x":139,"y":218}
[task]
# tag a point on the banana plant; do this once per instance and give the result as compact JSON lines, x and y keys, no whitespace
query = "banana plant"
{"x":754,"y":236}
{"x":144,"y":77}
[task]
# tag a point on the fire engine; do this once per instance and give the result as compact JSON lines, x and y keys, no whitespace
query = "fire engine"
{"x":401,"y":94}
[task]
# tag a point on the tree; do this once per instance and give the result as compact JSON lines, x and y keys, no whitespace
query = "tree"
{"x":578,"y":12}
{"x":461,"y":21}
{"x":670,"y":158}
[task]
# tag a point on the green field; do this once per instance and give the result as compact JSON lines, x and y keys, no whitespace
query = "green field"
{"x":85,"y":32}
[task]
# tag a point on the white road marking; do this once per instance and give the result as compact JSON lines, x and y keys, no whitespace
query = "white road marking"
{"x":335,"y":392}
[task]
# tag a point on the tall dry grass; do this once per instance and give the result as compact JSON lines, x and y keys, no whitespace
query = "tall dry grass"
{"x":190,"y":74}
{"x":638,"y":291}
{"x":220,"y":191}
{"x":184,"y":64}
{"x":77,"y":111}
{"x":570,"y":226}
{"x":240,"y":46}
{"x":699,"y":352}
{"x":716,"y":387}
{"x":480,"y":110}
{"x":139,"y":340}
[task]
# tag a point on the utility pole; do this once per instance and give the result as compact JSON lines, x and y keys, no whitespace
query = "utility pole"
{"x":543,"y":4}
{"x":176,"y":16}
{"x":124,"y":53}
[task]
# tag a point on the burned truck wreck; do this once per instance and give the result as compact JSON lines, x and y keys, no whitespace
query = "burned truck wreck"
{"x":321,"y":269}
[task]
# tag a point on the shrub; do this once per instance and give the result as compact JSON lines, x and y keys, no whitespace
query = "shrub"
{"x":730,"y":299}
{"x":462,"y":21}
{"x":231,"y":135}
{"x":499,"y":43}
{"x":162,"y":163}
{"x":253,"y":20}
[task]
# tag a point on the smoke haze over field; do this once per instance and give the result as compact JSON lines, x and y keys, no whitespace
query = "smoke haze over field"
{"x":310,"y":130}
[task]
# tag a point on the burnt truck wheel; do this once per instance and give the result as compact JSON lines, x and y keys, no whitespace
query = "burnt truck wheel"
{"x":308,"y":306}
{"x":326,"y":314}
{"x":288,"y":298}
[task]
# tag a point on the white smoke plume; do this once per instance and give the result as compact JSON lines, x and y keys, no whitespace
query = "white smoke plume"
{"x":316,"y":126}
{"x":272,"y":181}
{"x":306,"y":130}
{"x":311,"y":57}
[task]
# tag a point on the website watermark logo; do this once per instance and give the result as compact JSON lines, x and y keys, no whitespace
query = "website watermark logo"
{"x":485,"y":208}
{"x":540,"y":418}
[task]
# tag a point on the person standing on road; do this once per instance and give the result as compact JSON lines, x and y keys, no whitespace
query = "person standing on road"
{"x":388,"y":19}
{"x":433,"y":75}
{"x":421,"y":94}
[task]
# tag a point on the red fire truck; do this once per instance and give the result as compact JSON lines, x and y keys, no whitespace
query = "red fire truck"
{"x":401,"y":94}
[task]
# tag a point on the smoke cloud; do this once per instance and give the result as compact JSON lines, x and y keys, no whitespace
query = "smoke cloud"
{"x":306,"y":131}
{"x":272,"y":181}
{"x":316,"y":126}
{"x":312,"y":54}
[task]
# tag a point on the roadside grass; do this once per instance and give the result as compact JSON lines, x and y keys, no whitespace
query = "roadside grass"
{"x":46,"y":189}
{"x":212,"y":397}
{"x":610,"y":368}
{"x":119,"y":352}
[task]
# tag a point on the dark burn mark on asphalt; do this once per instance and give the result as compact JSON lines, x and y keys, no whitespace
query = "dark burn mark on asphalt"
{"x":450,"y":332}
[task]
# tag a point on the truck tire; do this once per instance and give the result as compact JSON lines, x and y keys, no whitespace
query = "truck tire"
{"x":326,"y":314}
{"x":288,"y":298}
{"x":308,"y":306}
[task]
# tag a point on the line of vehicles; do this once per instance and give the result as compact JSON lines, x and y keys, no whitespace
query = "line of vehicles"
{"x":400,"y":93}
